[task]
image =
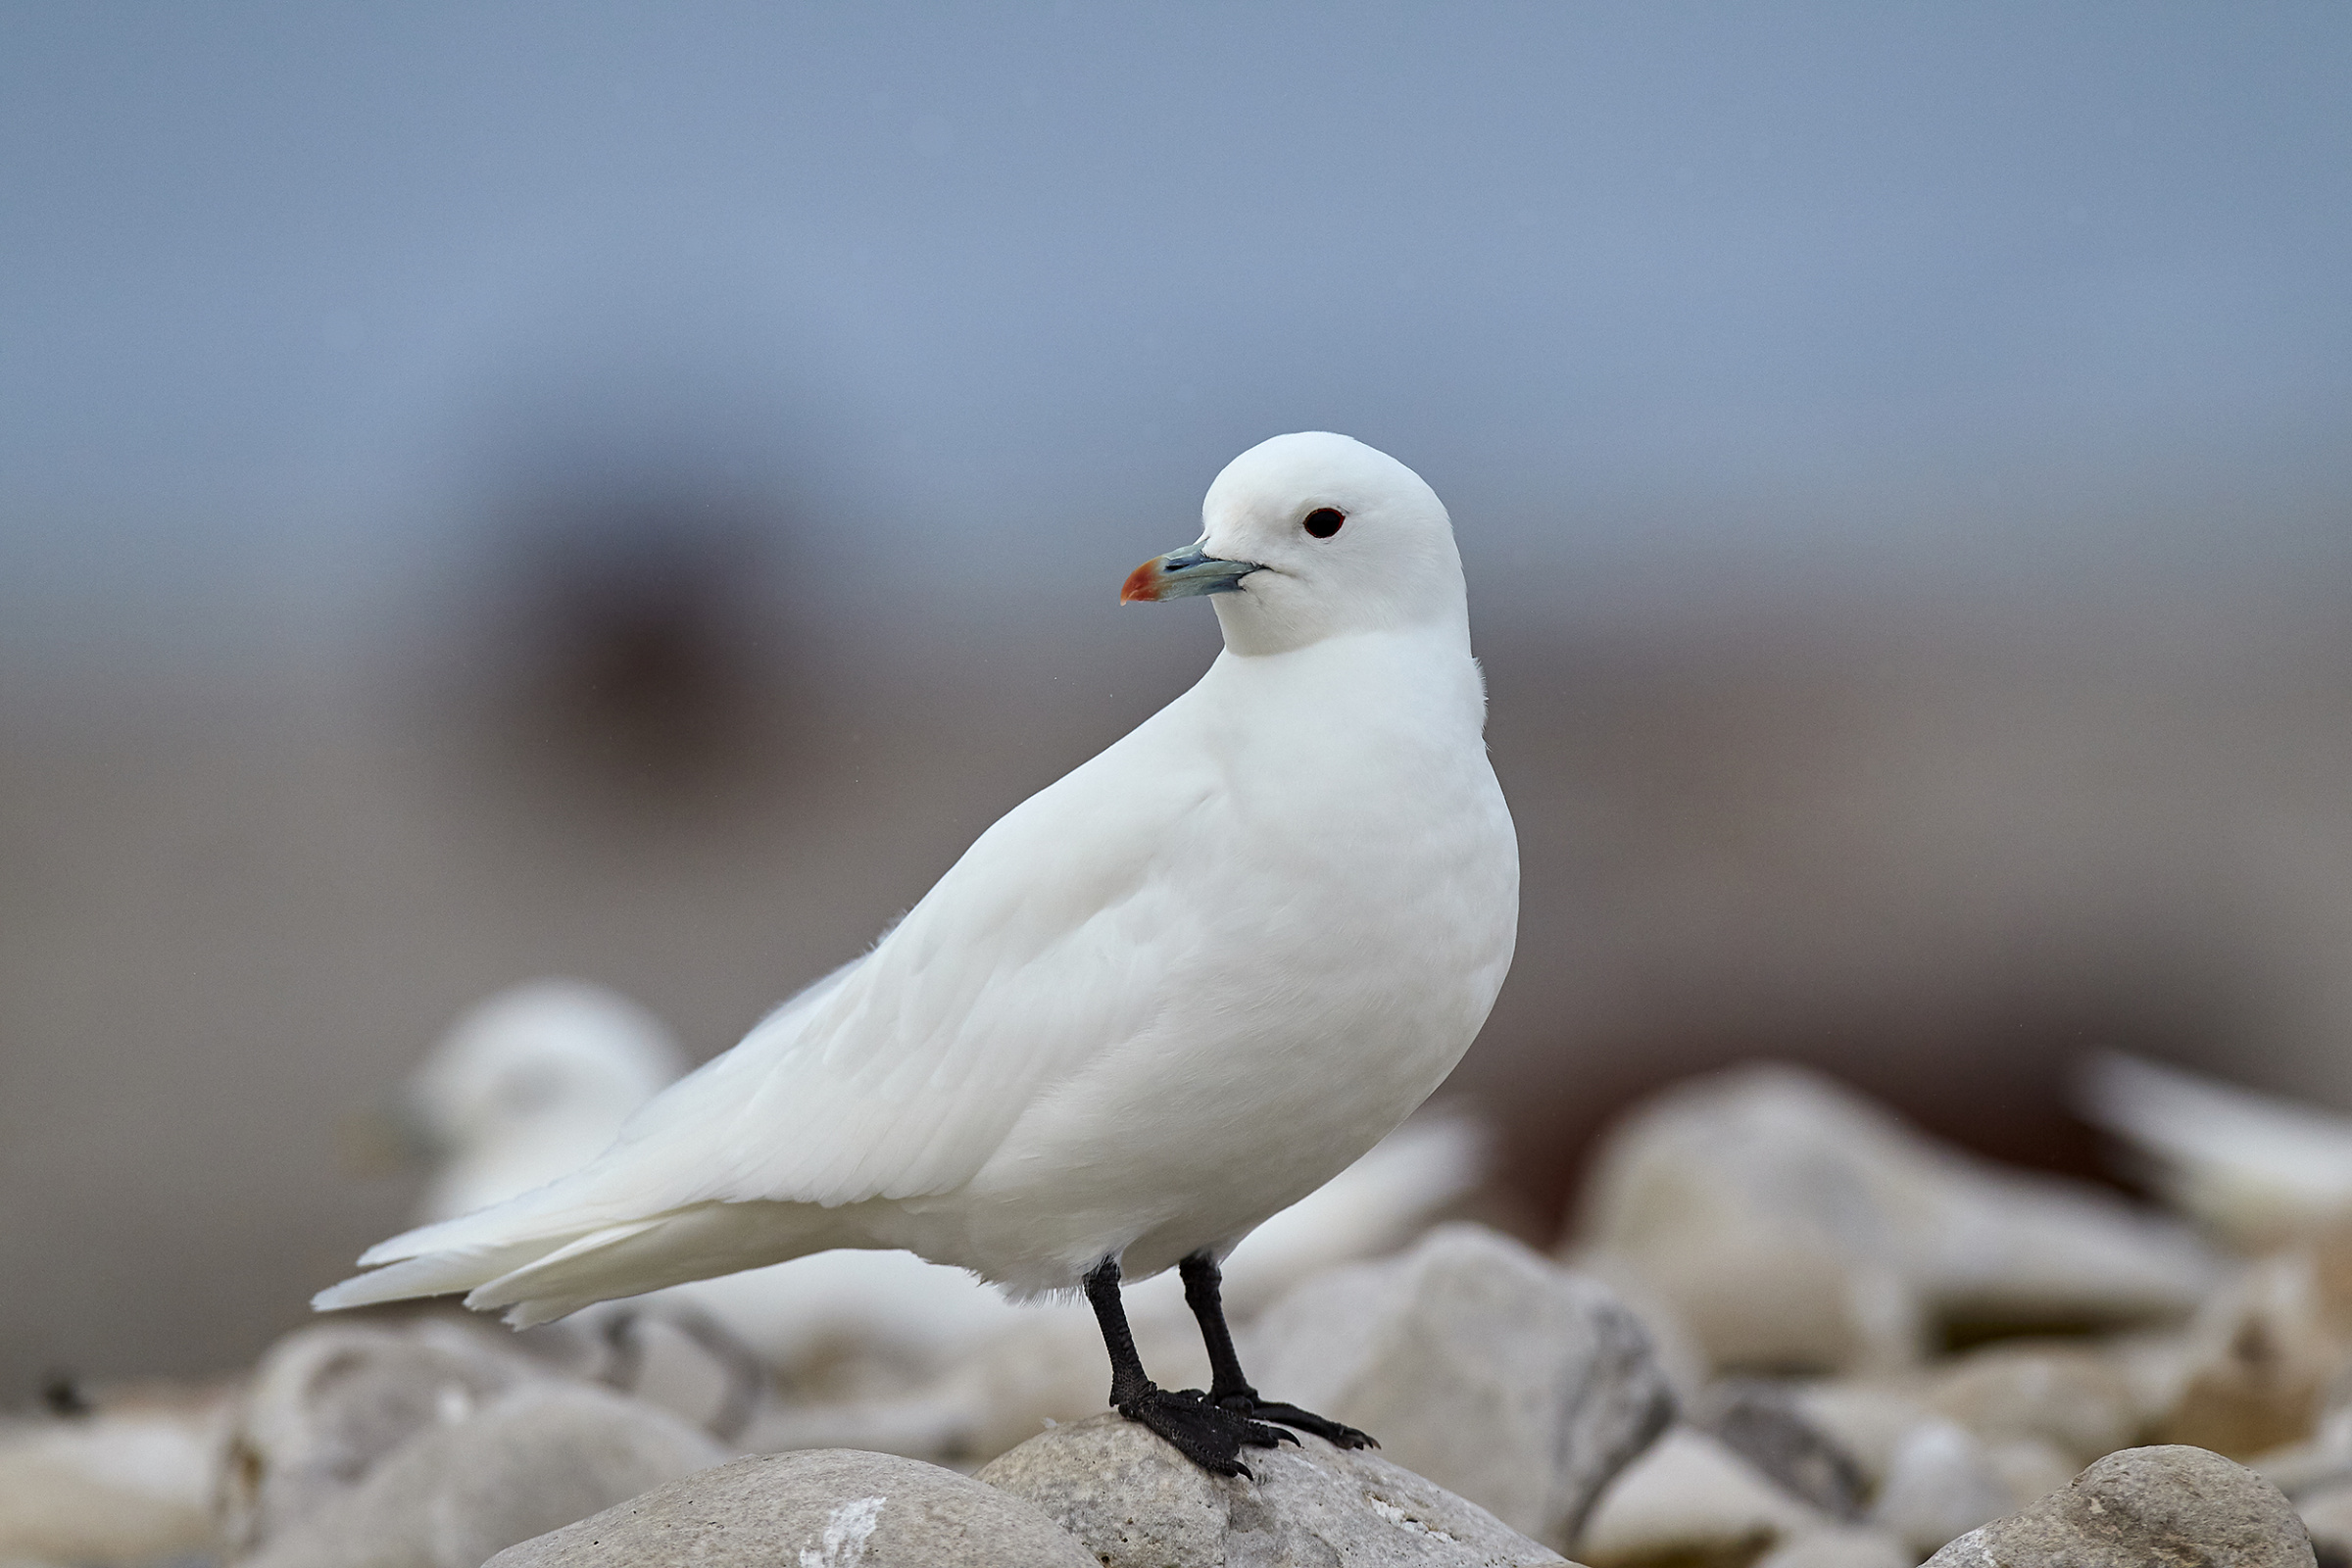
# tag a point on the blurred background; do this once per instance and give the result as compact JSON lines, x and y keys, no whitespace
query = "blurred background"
{"x":630,"y":491}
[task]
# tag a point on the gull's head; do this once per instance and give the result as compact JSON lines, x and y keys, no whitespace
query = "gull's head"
{"x":1311,"y":536}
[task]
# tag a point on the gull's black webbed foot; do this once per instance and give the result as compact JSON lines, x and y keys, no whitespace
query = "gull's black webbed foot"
{"x":1202,"y":1430}
{"x":1211,"y":1436}
{"x":1204,"y":1292}
{"x":1290,"y":1415}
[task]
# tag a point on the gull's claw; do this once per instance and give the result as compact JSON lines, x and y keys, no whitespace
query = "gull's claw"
{"x":1208,"y":1434}
{"x":1290,"y":1415}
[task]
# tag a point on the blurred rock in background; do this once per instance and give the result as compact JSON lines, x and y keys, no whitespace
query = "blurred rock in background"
{"x":1613,"y":1411}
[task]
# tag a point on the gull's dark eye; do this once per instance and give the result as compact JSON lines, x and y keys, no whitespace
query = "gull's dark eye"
{"x":1324,"y":521}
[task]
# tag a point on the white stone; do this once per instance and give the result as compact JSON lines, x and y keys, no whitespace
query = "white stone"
{"x":2073,"y":1398}
{"x":1762,"y":1420}
{"x":128,"y":1484}
{"x":1794,"y":1224}
{"x":1846,"y":1546}
{"x":2327,"y":1514}
{"x":2261,"y":1355}
{"x":528,"y":1462}
{"x":1867,"y":1417}
{"x":1941,"y":1481}
{"x":2142,"y":1507}
{"x":1692,"y":1500}
{"x":827,"y":1508}
{"x":1134,"y":1503}
{"x":328,"y":1402}
{"x":1477,"y":1364}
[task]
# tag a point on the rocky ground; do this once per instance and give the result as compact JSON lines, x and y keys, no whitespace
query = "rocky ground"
{"x":1784,"y":1331}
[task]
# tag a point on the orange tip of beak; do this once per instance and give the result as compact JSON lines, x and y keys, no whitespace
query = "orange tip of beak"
{"x":1142,"y":585}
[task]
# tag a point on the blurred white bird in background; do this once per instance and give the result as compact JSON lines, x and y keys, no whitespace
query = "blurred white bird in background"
{"x":1154,"y":1004}
{"x":2255,"y":1168}
{"x":529,"y":1085}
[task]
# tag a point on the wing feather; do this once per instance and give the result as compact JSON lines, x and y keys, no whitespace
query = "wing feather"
{"x":1052,"y":940}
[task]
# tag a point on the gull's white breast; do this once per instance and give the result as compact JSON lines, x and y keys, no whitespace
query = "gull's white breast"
{"x":1336,"y":890}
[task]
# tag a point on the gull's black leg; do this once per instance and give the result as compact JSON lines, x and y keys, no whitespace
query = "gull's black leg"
{"x":1204,"y":1285}
{"x":1203,"y":1431}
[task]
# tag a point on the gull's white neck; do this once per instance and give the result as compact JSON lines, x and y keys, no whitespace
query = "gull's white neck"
{"x":1419,"y":680}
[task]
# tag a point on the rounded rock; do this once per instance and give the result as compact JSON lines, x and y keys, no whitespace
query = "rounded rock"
{"x":537,"y":1459}
{"x":330,"y":1402}
{"x":1134,"y":1502}
{"x":832,"y":1507}
{"x":1479,"y":1363}
{"x":2145,"y":1506}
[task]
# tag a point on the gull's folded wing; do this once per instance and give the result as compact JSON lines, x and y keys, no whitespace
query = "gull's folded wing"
{"x":1054,"y":938}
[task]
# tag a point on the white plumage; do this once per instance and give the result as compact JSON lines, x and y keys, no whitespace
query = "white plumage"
{"x":926,"y":1317}
{"x":535,"y":1081}
{"x":1156,"y":1002}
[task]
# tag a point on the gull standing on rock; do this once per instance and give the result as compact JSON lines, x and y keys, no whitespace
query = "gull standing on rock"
{"x":1156,"y":1002}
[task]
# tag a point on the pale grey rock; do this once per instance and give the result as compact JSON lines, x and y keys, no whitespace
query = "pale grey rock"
{"x":1940,"y":1481}
{"x":934,"y":1425}
{"x":1776,"y":1299}
{"x":1943,"y":1480}
{"x":129,"y":1483}
{"x":698,"y":1376}
{"x":2303,"y":1469}
{"x":1867,"y":1418}
{"x":1688,"y":1366}
{"x":686,"y":1362}
{"x":2155,"y":1365}
{"x":1972,"y":1550}
{"x":2162,"y":1507}
{"x":327,"y":1403}
{"x":1134,"y":1503}
{"x":1691,"y":1499}
{"x":665,"y":1351}
{"x":2074,"y":1397}
{"x":2323,"y":1462}
{"x":2029,"y":1467}
{"x":1792,"y":1224}
{"x":1479,"y":1363}
{"x":2263,"y":1356}
{"x":1762,"y":1420}
{"x":1846,"y":1546}
{"x":823,"y":1508}
{"x":529,"y":1461}
{"x":2327,"y":1514}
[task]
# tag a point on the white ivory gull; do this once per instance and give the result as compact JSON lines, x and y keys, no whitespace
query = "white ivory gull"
{"x":1158,"y":1002}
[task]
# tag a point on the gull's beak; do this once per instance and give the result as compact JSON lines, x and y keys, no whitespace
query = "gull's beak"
{"x":1182,"y":573}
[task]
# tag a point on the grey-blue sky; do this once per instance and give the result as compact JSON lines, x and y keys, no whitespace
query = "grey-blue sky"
{"x":284,"y":284}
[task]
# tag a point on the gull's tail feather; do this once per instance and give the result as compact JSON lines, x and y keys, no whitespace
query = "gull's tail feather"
{"x":599,"y":1205}
{"x":537,"y":1279}
{"x":431,"y":1274}
{"x":477,"y":1250}
{"x":651,"y":1254}
{"x":542,"y":1218}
